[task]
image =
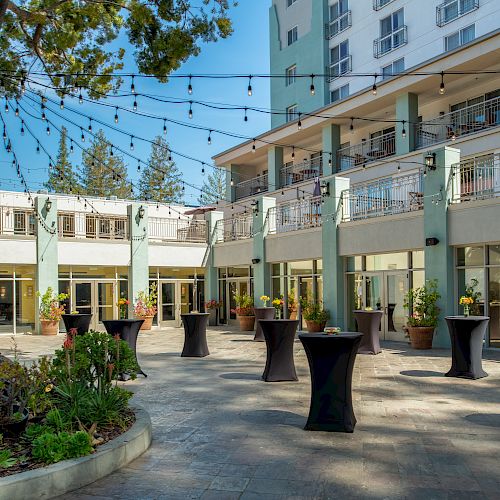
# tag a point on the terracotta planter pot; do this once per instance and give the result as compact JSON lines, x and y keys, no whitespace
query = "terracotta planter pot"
{"x":314,"y":326}
{"x":246,"y":323}
{"x":213,"y":319}
{"x":421,"y":336}
{"x":148,"y":322}
{"x":293,"y":315}
{"x":49,"y":327}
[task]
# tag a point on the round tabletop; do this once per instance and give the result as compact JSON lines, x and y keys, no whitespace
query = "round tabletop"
{"x":343,"y":335}
{"x":369,"y":312}
{"x":468,"y":318}
{"x":195,"y":314}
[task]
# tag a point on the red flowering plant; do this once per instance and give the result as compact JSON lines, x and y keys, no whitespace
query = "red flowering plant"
{"x":213,"y":304}
{"x":145,"y":304}
{"x":244,"y":305}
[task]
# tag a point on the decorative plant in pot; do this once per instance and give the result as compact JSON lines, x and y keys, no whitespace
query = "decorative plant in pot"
{"x":145,"y":306}
{"x":212,"y":307}
{"x":292,"y":304}
{"x":244,"y":311}
{"x":470,"y":299}
{"x":315,"y":316}
{"x":422,"y":322}
{"x":51,"y":311}
{"x":123,"y":304}
{"x":278,"y":306}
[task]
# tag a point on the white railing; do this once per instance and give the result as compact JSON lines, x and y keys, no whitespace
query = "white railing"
{"x":17,"y":221}
{"x":367,"y":151}
{"x":476,"y":179}
{"x":170,"y":229}
{"x":301,"y":172}
{"x":92,"y":226}
{"x":237,"y":228}
{"x":464,"y":121}
{"x":337,"y":25}
{"x":451,"y":10}
{"x":295,"y":215}
{"x":390,"y":42}
{"x":387,"y":196}
{"x":252,"y":186}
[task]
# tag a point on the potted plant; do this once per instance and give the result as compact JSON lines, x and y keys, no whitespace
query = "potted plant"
{"x":422,"y":302}
{"x":244,"y":311}
{"x":278,"y":304}
{"x":51,"y":311}
{"x":470,"y":300}
{"x":145,"y":306}
{"x":122,"y":304}
{"x":315,"y":316}
{"x":292,"y":304}
{"x":77,"y":322}
{"x":212,"y":306}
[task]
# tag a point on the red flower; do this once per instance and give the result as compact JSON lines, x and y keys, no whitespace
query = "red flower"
{"x":116,"y":336}
{"x":73,"y":332}
{"x":68,"y":343}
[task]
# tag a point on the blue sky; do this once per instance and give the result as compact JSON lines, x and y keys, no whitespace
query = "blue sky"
{"x":246,"y":51}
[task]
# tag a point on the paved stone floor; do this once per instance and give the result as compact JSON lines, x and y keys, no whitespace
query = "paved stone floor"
{"x":219,"y":432}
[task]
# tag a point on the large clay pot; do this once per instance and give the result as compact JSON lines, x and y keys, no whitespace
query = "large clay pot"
{"x":49,"y":327}
{"x":314,"y":326}
{"x":421,"y":336}
{"x":213,"y":319}
{"x":246,"y":323}
{"x":148,"y":322}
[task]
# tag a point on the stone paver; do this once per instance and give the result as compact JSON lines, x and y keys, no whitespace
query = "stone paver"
{"x":219,"y":432}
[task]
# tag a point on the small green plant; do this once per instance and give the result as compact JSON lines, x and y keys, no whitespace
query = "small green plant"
{"x":313,"y":311}
{"x":34,"y":431}
{"x":244,"y":304}
{"x":472,"y":293}
{"x":6,"y":459}
{"x":53,"y":447}
{"x":50,"y":307}
{"x":422,"y":302}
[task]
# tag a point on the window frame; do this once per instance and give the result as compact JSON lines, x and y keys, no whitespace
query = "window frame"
{"x":459,"y":33}
{"x":290,"y":78}
{"x":292,"y":31}
{"x":292,"y":113}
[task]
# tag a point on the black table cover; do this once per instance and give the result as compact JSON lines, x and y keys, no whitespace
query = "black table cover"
{"x":128,"y":329}
{"x":79,"y":321}
{"x":262,"y":313}
{"x":369,"y":325}
{"x":279,"y":335}
{"x":195,"y":335}
{"x":467,"y":335}
{"x":331,"y":361}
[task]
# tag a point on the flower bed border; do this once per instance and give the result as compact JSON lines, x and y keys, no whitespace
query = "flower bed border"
{"x":68,"y":475}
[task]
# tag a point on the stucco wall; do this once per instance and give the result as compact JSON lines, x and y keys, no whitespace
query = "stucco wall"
{"x":93,"y":253}
{"x":18,"y":251}
{"x":299,"y":245}
{"x":162,"y":255}
{"x":233,"y":253}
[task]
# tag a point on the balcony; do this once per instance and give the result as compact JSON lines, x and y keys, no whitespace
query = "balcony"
{"x":476,"y":179}
{"x":295,"y":215}
{"x":378,"y":4}
{"x":17,"y":221}
{"x":251,"y":187}
{"x":178,"y":230}
{"x":337,"y":25}
{"x":339,"y":68}
{"x":388,"y":196}
{"x":449,"y":11}
{"x":235,"y":229}
{"x":390,"y":42}
{"x":371,"y":150}
{"x":458,"y":123}
{"x":301,"y":172}
{"x":92,"y":226}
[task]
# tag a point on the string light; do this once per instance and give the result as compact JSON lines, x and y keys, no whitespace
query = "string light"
{"x":80,"y":97}
{"x":132,"y":85}
{"x":312,"y":89}
{"x":116,"y":115}
{"x":351,"y":126}
{"x":210,"y":138}
{"x":403,"y":132}
{"x":22,"y":127}
{"x":250,"y":92}
{"x":203,"y":168}
{"x":47,"y":130}
{"x":16,"y":112}
{"x":6,"y":106}
{"x":138,"y":165}
{"x":90,"y":125}
{"x":245,"y":117}
{"x":441,"y":87}
{"x":82,"y":136}
{"x":299,"y":124}
{"x":61,"y":104}
{"x":131,"y":143}
{"x":164,"y":126}
{"x":293,"y":152}
{"x":4,"y":135}
{"x":190,"y":113}
{"x":37,"y":147}
{"x":453,"y":136}
{"x":374,"y":87}
{"x":232,"y":181}
{"x":111,"y":153}
{"x":134,"y":106}
{"x":71,"y":148}
{"x":190,"y":86}
{"x":253,"y":146}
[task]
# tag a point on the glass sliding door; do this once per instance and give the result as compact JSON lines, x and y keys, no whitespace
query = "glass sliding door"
{"x":167,"y":303}
{"x":6,"y":306}
{"x":105,"y":302}
{"x":395,"y":314}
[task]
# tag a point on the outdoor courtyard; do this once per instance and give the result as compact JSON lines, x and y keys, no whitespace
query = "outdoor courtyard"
{"x":220,"y":432}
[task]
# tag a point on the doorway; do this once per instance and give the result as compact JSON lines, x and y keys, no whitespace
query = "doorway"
{"x":94,"y":297}
{"x":385,"y":291}
{"x":235,"y":286}
{"x":176,"y":298}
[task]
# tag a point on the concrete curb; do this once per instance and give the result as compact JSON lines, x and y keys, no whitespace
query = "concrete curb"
{"x":68,"y":475}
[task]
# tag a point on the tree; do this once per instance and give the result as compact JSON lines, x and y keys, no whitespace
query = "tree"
{"x":62,"y":177}
{"x":160,"y":180}
{"x":72,"y":38}
{"x":214,"y":187}
{"x":104,"y":172}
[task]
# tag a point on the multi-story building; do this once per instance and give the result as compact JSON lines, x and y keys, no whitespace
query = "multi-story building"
{"x":97,"y":250}
{"x":378,"y":191}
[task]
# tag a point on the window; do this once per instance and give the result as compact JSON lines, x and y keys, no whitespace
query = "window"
{"x":392,"y":33}
{"x":459,"y":38}
{"x":378,"y":4}
{"x":340,"y":18}
{"x":293,"y":35}
{"x":340,"y":93}
{"x":393,"y":69}
{"x":290,"y":2}
{"x":291,"y":74}
{"x":292,"y":113}
{"x":452,"y":9}
{"x":340,"y":60}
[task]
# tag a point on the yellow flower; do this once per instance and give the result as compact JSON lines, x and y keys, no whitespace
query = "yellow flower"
{"x":466,"y":301}
{"x":264,"y":298}
{"x":49,"y":387}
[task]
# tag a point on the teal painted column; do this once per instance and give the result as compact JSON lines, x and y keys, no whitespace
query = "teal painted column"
{"x":331,"y":144}
{"x":138,"y":277}
{"x":230,"y":186}
{"x":274,"y":164}
{"x":439,"y":258}
{"x":261,"y":270}
{"x":211,"y":272}
{"x":47,"y":271}
{"x":407,"y":110}
{"x":333,"y":263}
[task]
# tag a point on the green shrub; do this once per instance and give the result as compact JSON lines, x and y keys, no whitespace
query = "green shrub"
{"x":6,"y":459}
{"x":53,"y":447}
{"x":423,"y":304}
{"x":313,"y":311}
{"x":34,"y":431}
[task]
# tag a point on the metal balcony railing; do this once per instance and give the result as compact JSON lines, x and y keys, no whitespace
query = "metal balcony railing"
{"x":337,"y":25}
{"x":387,"y":196}
{"x":92,"y":226}
{"x":295,"y":215}
{"x":451,"y":10}
{"x":170,"y":229}
{"x":378,"y":4}
{"x":464,"y":121}
{"x":390,"y":42}
{"x":252,"y":186}
{"x":476,"y":179}
{"x":367,"y":151}
{"x":339,"y":68}
{"x":301,"y":172}
{"x":17,"y":221}
{"x":237,"y":228}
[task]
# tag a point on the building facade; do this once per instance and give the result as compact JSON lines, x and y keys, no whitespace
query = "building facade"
{"x":97,"y":251}
{"x":376,"y":192}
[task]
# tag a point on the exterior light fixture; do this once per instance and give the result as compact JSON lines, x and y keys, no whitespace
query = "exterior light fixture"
{"x":325,"y":189}
{"x":48,"y":204}
{"x":141,"y":212}
{"x":430,"y":161}
{"x":430,"y":242}
{"x":255,"y":261}
{"x":255,"y":207}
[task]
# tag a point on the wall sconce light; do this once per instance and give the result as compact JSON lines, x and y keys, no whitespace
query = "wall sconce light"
{"x":325,"y":189}
{"x":430,"y":242}
{"x":255,"y":207}
{"x":255,"y":261}
{"x":141,"y":212}
{"x":430,"y":161}
{"x":48,"y":204}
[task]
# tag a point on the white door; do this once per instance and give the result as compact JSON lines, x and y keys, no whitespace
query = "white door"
{"x":94,"y":297}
